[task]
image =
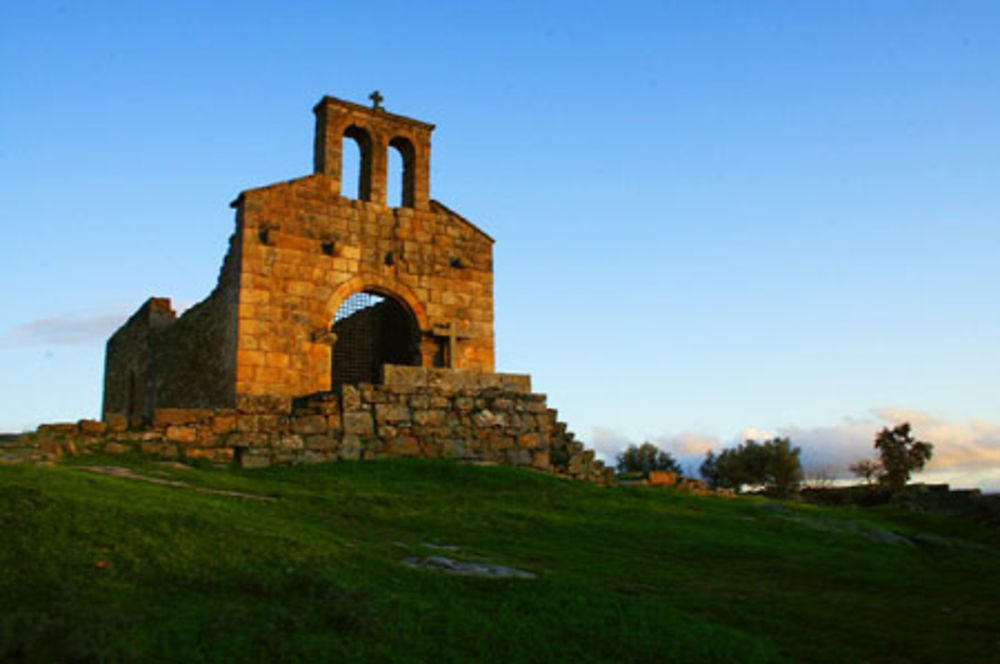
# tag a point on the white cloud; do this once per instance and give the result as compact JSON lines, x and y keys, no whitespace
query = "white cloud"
{"x":969,"y":446}
{"x":84,"y":327}
{"x":607,"y":443}
{"x":687,"y":444}
{"x":64,"y":330}
{"x":753,"y":433}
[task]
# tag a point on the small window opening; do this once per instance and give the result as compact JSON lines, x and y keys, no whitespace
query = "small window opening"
{"x":456,"y":262}
{"x":328,"y":248}
{"x":389,"y":259}
{"x":263,"y":235}
{"x":238,"y":451}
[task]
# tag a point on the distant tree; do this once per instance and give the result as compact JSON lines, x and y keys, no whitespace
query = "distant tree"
{"x":773,"y":464}
{"x":731,"y":468}
{"x":866,"y":469}
{"x":709,"y":470}
{"x":782,"y":467}
{"x":644,"y":458}
{"x":900,"y":454}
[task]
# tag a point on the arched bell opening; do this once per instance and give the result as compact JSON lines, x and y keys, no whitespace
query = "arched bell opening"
{"x":372,"y":329}
{"x":356,"y":162}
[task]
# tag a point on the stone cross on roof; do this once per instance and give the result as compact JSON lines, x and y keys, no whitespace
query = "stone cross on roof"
{"x":376,"y":98}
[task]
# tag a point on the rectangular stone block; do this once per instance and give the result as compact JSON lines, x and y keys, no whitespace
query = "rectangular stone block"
{"x":164,"y":450}
{"x":273,"y":423}
{"x":321,"y":443}
{"x":540,"y":460}
{"x":288,"y":442}
{"x":247,"y":423}
{"x":429,"y":418}
{"x":455,"y":449}
{"x":223,"y":423}
{"x":163,"y":417}
{"x":309,"y":424}
{"x":116,"y":422}
{"x":251,"y":461}
{"x":218,"y":455}
{"x":314,"y":456}
{"x":182,"y":434}
{"x":350,"y":397}
{"x":271,"y":404}
{"x":92,"y":427}
{"x":403,"y":446}
{"x":529,"y":440}
{"x":518,"y":457}
{"x":251,"y":439}
{"x":391,"y":413}
{"x":359,"y":423}
{"x":59,"y":429}
{"x":350,"y":448}
{"x":662,"y":478}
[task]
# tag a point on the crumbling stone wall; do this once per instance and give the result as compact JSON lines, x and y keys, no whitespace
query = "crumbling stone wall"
{"x":157,"y":360}
{"x":195,"y":359}
{"x":128,"y":388}
{"x":429,"y":413}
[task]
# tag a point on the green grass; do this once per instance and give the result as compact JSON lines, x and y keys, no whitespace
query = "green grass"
{"x":105,"y":569}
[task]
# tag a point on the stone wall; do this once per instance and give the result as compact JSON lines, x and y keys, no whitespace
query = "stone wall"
{"x":195,"y":361}
{"x":429,"y":413}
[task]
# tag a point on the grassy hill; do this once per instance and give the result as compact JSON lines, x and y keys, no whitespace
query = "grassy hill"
{"x":309,"y":566}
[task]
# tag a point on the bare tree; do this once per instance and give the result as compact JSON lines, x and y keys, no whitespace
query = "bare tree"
{"x":866,"y":469}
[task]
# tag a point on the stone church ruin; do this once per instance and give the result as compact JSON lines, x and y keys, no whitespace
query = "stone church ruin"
{"x":341,"y":327}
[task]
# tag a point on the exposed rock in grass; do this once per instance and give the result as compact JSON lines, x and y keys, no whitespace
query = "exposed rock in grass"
{"x":452,"y":566}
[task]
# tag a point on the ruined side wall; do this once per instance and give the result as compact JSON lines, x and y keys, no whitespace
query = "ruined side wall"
{"x":430,"y":413}
{"x":305,"y":250}
{"x":128,"y":376}
{"x":194,"y":360}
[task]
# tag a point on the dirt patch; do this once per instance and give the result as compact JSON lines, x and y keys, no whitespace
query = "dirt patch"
{"x":127,"y":473}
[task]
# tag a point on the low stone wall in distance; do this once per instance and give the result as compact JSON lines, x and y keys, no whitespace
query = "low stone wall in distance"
{"x":415,"y":412}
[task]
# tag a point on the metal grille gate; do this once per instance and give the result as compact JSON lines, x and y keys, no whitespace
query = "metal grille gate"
{"x":372,"y":330}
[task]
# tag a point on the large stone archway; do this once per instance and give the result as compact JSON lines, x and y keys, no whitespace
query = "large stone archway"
{"x":372,"y":329}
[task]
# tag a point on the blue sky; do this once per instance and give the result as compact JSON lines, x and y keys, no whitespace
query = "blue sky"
{"x":713,"y":219}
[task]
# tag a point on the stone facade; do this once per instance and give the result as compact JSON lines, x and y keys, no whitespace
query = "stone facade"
{"x":340,"y":328}
{"x":300,"y":250}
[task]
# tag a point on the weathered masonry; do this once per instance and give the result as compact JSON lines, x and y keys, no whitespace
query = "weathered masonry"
{"x":322,"y":289}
